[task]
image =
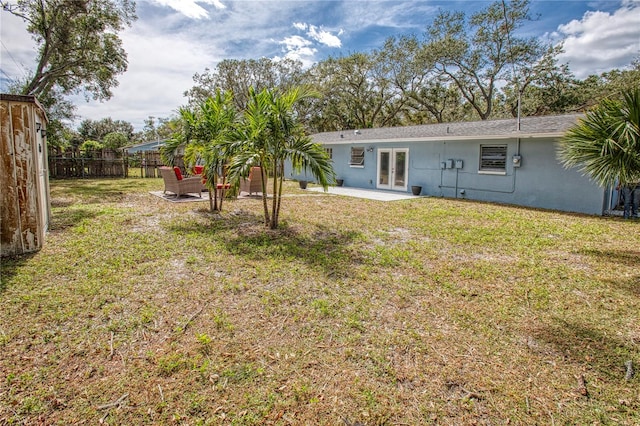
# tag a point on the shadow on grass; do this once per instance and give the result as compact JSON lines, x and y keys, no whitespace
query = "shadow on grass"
{"x":622,"y":258}
{"x":244,"y":235}
{"x":67,"y":217}
{"x":99,"y":191}
{"x":587,"y":346}
{"x":630,"y":285}
{"x":10,"y":266}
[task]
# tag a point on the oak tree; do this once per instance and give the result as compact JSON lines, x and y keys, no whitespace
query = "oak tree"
{"x":78,"y":45}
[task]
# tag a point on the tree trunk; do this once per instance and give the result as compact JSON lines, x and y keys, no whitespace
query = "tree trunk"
{"x":265,"y":205}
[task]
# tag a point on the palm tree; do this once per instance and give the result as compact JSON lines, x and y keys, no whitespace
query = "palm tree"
{"x":605,"y":144}
{"x":271,"y":134}
{"x":217,"y":119}
{"x":203,"y":134}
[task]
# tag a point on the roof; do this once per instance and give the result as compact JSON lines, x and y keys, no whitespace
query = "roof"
{"x":17,"y":98}
{"x":8,"y":97}
{"x":144,"y":146}
{"x":542,"y":126}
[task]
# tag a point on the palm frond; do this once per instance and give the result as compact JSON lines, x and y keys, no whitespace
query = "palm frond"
{"x":605,"y":144}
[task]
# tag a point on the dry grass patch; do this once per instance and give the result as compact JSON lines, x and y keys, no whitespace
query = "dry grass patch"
{"x":425,"y":311}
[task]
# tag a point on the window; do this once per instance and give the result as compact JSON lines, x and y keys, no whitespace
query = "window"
{"x":493,"y":158}
{"x":329,"y":152}
{"x":357,"y":156}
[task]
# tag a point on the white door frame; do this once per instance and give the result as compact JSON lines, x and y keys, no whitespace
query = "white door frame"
{"x":391,"y":181}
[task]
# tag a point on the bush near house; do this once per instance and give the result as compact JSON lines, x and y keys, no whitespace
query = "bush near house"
{"x":424,"y":311}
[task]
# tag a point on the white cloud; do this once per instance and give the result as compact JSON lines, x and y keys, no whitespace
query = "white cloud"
{"x":319,"y":34}
{"x":17,"y":51}
{"x":295,"y":42}
{"x":302,"y":49}
{"x":394,"y":14}
{"x":160,"y":70}
{"x":300,"y":25}
{"x":190,"y":8}
{"x":601,"y":41}
{"x":298,"y":49}
{"x":324,"y":37}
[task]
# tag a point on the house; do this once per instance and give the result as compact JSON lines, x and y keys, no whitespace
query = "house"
{"x":144,"y":147}
{"x":504,"y":161}
{"x":25,"y":208}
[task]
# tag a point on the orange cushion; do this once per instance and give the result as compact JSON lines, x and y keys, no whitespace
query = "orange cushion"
{"x":178,"y":173}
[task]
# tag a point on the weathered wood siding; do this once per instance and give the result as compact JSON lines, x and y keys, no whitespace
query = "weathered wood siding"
{"x":24,"y":194}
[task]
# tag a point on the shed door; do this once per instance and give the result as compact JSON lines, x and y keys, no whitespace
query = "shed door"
{"x":393,"y":167}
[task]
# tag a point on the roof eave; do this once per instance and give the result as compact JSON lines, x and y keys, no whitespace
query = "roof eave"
{"x":514,"y":135}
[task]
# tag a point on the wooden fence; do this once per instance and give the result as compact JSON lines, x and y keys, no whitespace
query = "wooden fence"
{"x":150,"y":161}
{"x":60,"y":167}
{"x":63,"y":167}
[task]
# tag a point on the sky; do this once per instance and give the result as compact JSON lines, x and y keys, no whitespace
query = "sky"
{"x":174,"y":39}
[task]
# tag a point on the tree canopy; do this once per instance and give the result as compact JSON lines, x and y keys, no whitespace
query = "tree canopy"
{"x":238,"y":76}
{"x":115,"y":140}
{"x":464,"y":68}
{"x":78,"y":45}
{"x":98,"y":129}
{"x":478,"y":52}
{"x":79,"y":52}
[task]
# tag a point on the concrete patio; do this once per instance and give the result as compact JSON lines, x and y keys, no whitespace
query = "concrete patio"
{"x":365,"y":193}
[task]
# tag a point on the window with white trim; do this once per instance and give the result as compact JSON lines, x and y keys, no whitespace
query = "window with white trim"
{"x":357,"y":156}
{"x":493,"y":158}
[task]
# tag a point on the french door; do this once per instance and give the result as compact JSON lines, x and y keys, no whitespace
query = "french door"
{"x":393,"y":168}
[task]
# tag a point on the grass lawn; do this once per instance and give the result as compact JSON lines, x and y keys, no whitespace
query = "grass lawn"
{"x":355,"y":312}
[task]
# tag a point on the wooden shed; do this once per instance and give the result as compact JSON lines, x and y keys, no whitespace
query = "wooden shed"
{"x":24,"y":180}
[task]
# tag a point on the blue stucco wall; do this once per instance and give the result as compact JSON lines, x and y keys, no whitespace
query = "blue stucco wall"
{"x":541,"y":181}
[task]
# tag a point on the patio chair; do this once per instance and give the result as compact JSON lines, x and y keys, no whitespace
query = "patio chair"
{"x":253,"y":183}
{"x":179,"y":185}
